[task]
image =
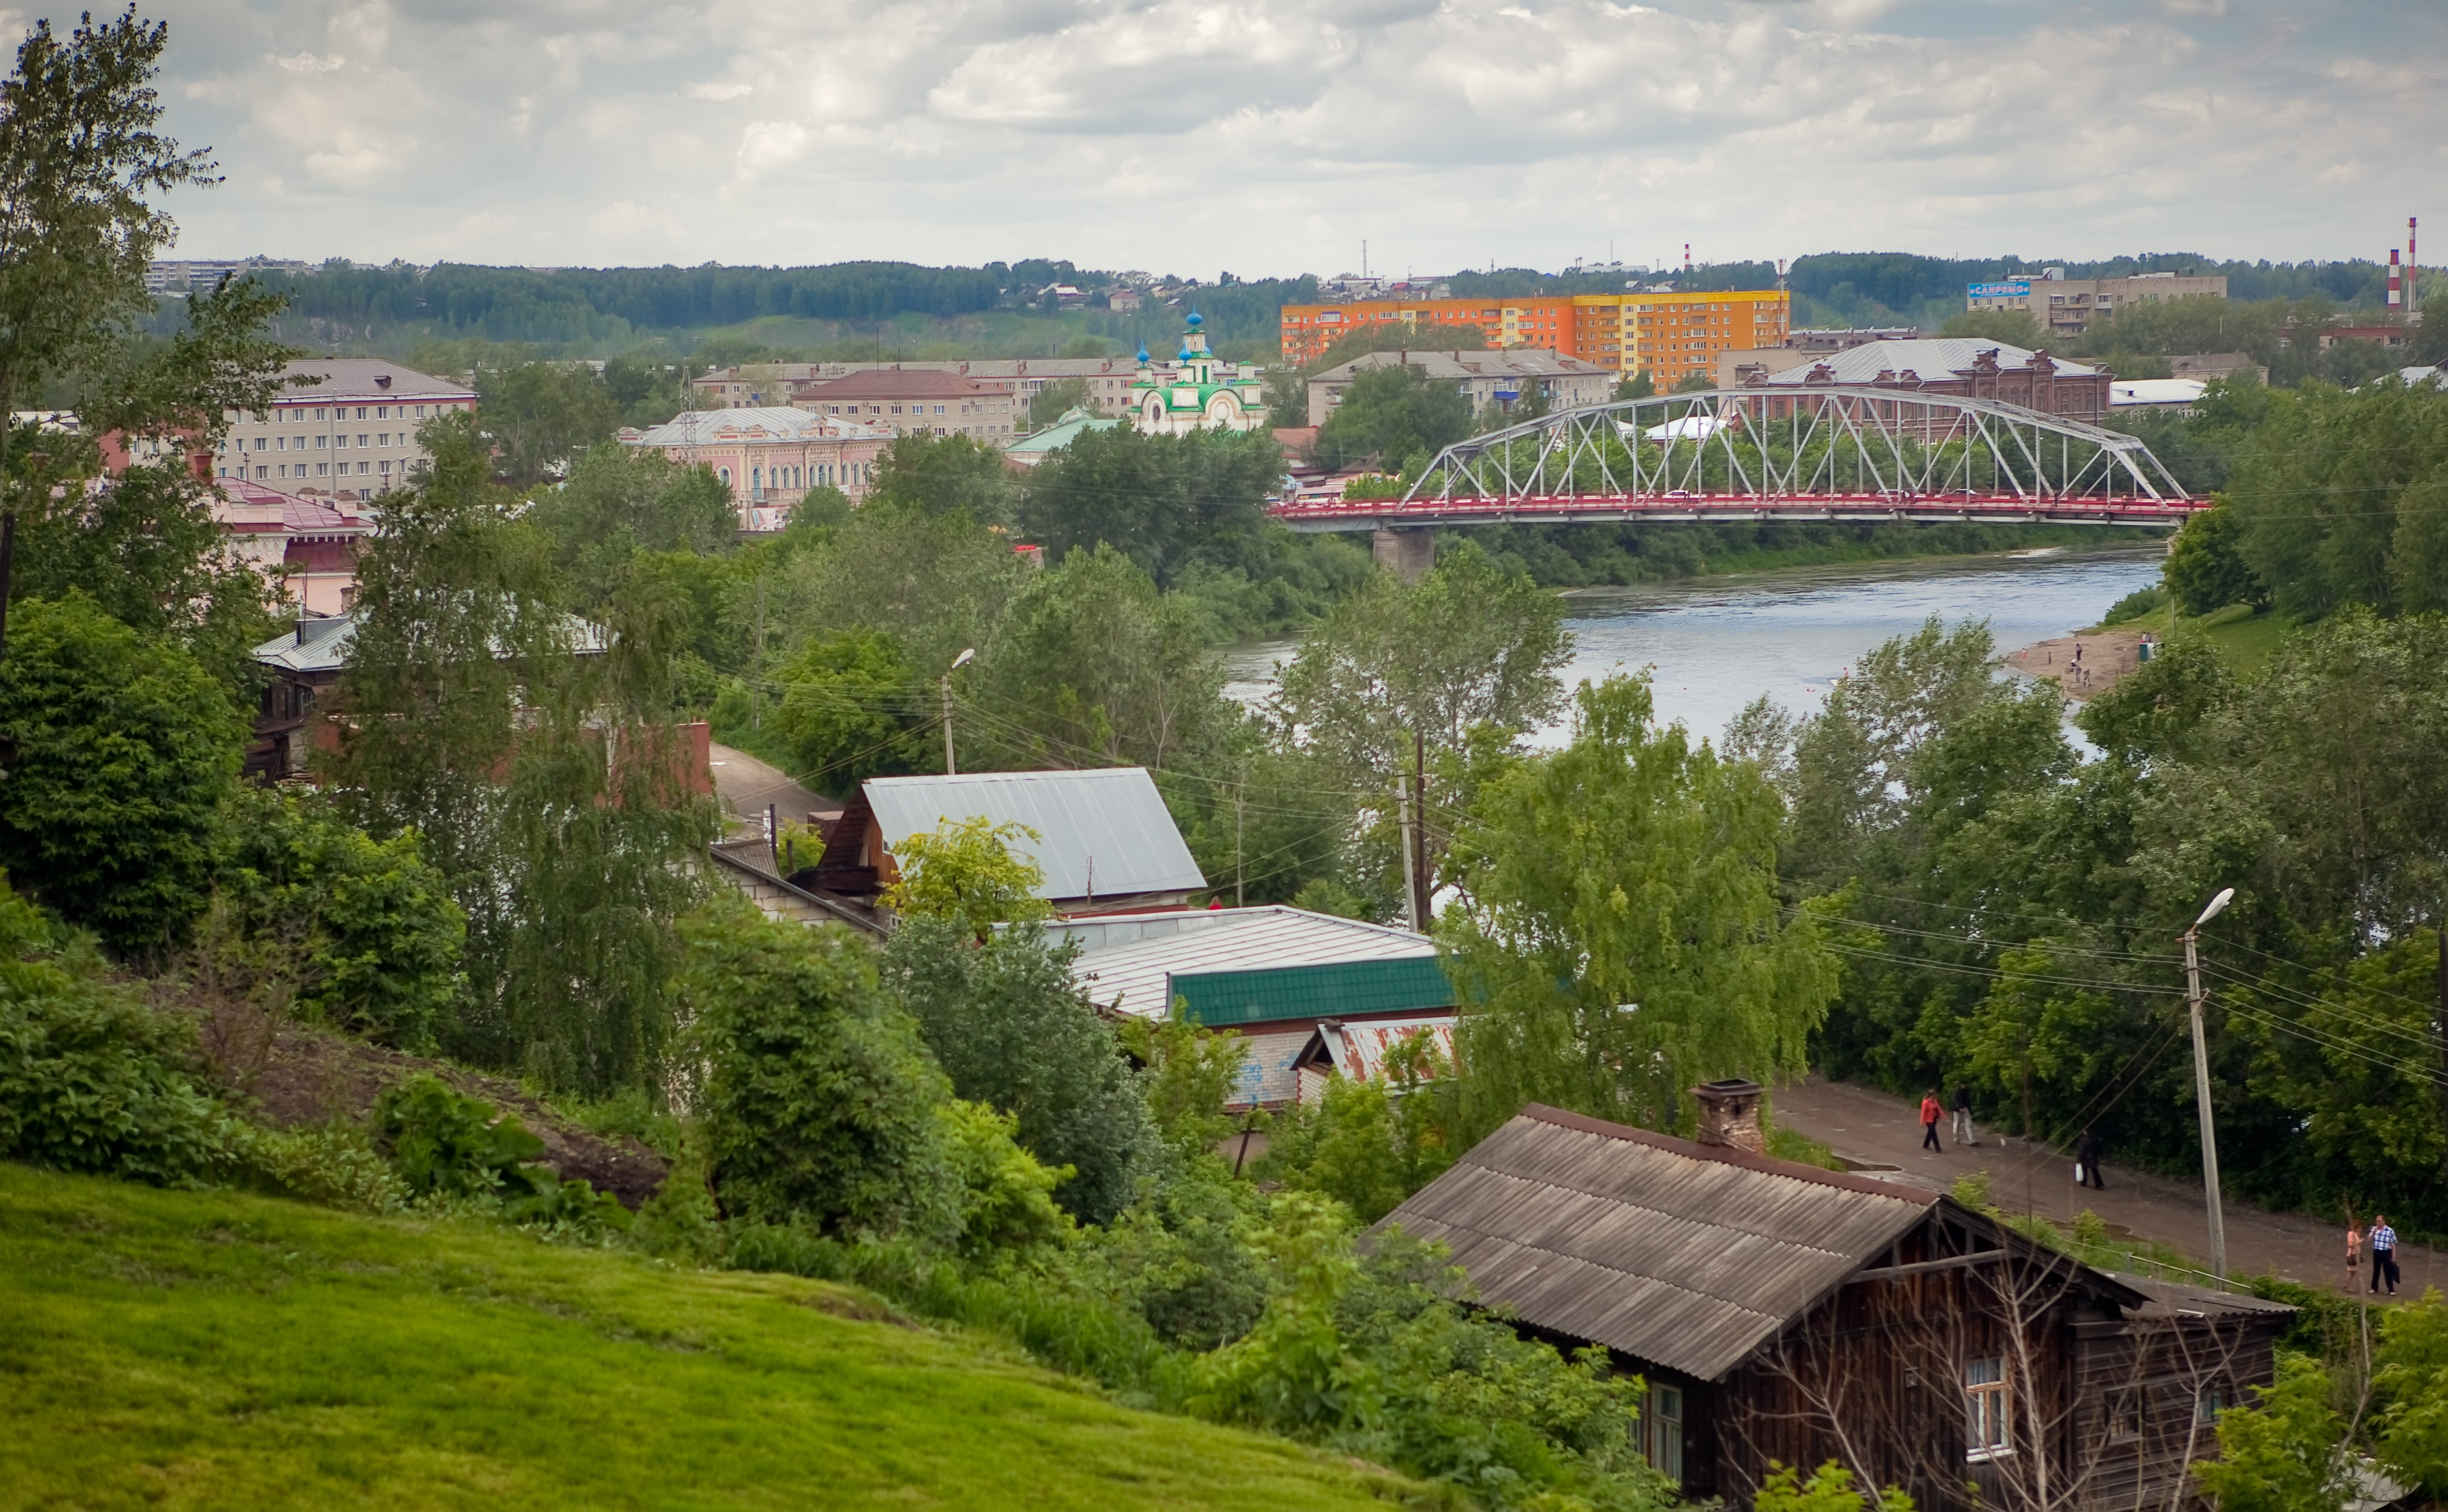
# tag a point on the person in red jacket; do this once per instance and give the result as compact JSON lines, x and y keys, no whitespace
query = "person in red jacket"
{"x":1930,"y":1114}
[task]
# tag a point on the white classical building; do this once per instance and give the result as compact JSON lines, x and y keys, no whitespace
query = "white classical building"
{"x":771,"y":456}
{"x":1198,"y":391}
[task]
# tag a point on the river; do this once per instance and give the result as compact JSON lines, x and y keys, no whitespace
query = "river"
{"x":1719,"y":642}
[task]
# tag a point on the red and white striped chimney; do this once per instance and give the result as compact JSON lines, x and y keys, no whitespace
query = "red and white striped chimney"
{"x":2396,"y":284}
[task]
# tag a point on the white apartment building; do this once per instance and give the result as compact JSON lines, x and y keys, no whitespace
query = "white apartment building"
{"x":347,"y":433}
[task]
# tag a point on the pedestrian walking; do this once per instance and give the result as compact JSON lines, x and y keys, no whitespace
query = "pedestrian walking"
{"x":2384,"y":1248}
{"x":1930,"y":1114}
{"x":1961,"y":1128}
{"x":2086,"y":1162}
{"x":2354,"y":1250}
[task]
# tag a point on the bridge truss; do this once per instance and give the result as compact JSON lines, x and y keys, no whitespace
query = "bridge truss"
{"x":1812,"y":453}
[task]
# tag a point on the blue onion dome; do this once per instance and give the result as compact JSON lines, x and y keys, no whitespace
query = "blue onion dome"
{"x":1188,"y":355}
{"x":1195,"y":320}
{"x":1143,"y":356}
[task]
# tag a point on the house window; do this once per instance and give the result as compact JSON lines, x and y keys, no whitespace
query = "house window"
{"x":1665,"y":1431}
{"x":2209,"y":1402}
{"x":2124,"y":1419}
{"x":1986,"y":1405}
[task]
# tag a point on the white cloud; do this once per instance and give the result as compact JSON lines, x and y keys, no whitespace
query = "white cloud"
{"x":1272,"y":135}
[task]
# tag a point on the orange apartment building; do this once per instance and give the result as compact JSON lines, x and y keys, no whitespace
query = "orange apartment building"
{"x":1671,"y":337}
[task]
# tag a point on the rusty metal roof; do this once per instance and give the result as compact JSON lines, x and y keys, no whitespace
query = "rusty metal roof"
{"x":1685,"y":1256}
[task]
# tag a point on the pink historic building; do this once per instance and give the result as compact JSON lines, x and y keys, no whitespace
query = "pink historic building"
{"x":771,"y":456}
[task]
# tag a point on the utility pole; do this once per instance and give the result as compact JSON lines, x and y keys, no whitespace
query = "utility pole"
{"x":1422,"y":883}
{"x":2202,"y":1084}
{"x":1238,"y":792}
{"x":757,"y":678}
{"x":1410,"y":882}
{"x":951,"y":768}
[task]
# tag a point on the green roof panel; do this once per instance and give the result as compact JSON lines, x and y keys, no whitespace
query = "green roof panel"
{"x":1345,"y":989}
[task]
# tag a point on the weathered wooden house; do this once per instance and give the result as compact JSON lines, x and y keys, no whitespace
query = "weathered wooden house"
{"x":1786,"y":1314}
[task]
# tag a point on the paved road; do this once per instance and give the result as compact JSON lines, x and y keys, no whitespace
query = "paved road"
{"x":746,"y":785}
{"x":1872,"y":1129}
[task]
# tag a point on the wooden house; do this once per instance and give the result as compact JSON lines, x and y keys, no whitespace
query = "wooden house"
{"x":1783,"y":1314}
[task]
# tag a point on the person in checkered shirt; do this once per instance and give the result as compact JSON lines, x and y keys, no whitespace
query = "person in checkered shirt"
{"x":2384,"y":1253}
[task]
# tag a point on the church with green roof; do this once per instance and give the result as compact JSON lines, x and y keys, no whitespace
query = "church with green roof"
{"x":1198,"y":391}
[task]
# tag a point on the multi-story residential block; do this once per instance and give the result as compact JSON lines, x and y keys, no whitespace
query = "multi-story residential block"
{"x":348,"y":431}
{"x":743,"y":388}
{"x":179,"y":276}
{"x":906,"y":401}
{"x":2066,"y":307}
{"x":769,"y":457}
{"x":1496,"y":380}
{"x":1670,"y":337}
{"x":1954,"y":365}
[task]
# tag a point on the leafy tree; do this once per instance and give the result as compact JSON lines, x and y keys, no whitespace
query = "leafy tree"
{"x":1007,"y":1201}
{"x":1092,"y":666}
{"x":1398,"y":413}
{"x":1058,"y":398}
{"x":540,"y":415}
{"x":1466,"y":647}
{"x":537,"y":771}
{"x":618,"y":501}
{"x":820,"y":1102}
{"x":2014,"y":328}
{"x":119,"y":751}
{"x":1619,"y":936}
{"x":648,"y":390}
{"x":369,"y":934}
{"x":2206,"y":569}
{"x":2337,"y":496}
{"x":1190,"y":1073}
{"x":852,"y":709}
{"x":950,"y":474}
{"x":1010,"y":1028}
{"x":964,"y":875}
{"x":80,"y":153}
{"x":1161,"y":500}
{"x":936,"y":584}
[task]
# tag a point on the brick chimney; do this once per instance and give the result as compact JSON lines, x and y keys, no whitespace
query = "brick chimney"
{"x":1730,"y":1115}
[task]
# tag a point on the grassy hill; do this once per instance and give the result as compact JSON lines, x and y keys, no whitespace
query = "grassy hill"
{"x":214,"y":1349}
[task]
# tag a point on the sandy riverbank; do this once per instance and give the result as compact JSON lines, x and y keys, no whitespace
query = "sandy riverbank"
{"x":2084,"y":664}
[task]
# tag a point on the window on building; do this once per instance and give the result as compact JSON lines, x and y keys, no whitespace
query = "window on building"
{"x":2209,"y":1402}
{"x":1988,"y":1405}
{"x":1662,"y":1427}
{"x":2124,"y":1418}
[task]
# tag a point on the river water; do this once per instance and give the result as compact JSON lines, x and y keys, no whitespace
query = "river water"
{"x":1716,"y":644}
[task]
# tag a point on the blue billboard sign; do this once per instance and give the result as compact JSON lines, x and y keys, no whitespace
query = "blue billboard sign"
{"x":2007,"y":289}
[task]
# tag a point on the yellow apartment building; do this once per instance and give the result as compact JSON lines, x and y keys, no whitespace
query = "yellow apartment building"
{"x":1670,"y":337}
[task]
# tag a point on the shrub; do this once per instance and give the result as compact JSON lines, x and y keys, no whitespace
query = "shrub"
{"x":368,"y":932}
{"x":449,"y":1145}
{"x":1830,"y":1489}
{"x":337,"y":1167}
{"x":1011,"y":1029}
{"x":2135,"y":604}
{"x":91,"y":1078}
{"x":1006,"y":1196}
{"x":819,"y":1100}
{"x":120,"y":750}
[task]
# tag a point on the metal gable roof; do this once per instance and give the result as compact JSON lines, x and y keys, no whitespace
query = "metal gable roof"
{"x":1102,"y":833}
{"x":1935,"y":358}
{"x":1687,"y":1256}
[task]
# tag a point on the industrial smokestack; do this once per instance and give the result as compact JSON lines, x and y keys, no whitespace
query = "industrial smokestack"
{"x":2396,"y":284}
{"x":2413,"y":272}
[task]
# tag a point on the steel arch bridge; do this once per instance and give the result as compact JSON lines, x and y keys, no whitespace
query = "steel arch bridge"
{"x":1804,"y":455}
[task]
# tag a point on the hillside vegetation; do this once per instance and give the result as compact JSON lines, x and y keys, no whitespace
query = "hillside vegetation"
{"x":213,"y":1350}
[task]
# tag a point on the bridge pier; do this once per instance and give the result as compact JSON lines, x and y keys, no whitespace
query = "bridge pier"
{"x":1407,"y":551}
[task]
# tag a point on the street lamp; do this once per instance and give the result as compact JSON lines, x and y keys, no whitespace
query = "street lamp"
{"x":952,"y":768}
{"x":2202,"y":1083}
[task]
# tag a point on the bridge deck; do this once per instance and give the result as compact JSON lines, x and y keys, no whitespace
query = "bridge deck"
{"x":1371,"y":514}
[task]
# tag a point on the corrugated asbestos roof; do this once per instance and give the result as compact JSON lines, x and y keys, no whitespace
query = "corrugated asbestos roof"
{"x":1340,"y":989}
{"x":1685,"y":1256}
{"x":1127,"y":962}
{"x":1102,"y":833}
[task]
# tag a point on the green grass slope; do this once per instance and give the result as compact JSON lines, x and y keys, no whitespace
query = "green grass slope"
{"x":213,"y":1350}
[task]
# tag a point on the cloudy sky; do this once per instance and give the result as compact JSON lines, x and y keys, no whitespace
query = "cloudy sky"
{"x":1272,"y":136}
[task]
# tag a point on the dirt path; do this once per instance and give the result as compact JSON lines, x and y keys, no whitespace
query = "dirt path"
{"x":1872,"y":1129}
{"x":2106,"y":656}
